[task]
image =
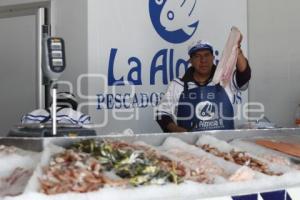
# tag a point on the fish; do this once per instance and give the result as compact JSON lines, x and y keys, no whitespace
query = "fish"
{"x":137,"y":164}
{"x":179,"y":15}
{"x":228,"y":60}
{"x":139,"y":180}
{"x":284,"y":147}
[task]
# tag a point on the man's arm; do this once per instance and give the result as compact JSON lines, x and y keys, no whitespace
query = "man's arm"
{"x":166,"y":108}
{"x":242,"y":62}
{"x":167,"y":124}
{"x":243,"y":73}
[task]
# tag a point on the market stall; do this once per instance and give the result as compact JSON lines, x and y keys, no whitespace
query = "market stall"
{"x":62,"y":155}
{"x":200,"y":165}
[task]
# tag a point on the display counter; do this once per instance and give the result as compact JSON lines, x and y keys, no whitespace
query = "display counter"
{"x":219,"y":165}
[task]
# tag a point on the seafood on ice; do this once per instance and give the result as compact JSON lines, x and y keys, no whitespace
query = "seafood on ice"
{"x":241,"y":158}
{"x":17,"y":166}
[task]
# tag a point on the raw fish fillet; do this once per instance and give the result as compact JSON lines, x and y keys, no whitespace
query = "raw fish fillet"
{"x":15,"y":183}
{"x":242,"y":174}
{"x":227,"y":63}
{"x":284,"y":147}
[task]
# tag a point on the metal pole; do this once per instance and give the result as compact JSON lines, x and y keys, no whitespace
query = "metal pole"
{"x":39,"y":75}
{"x":54,"y":130}
{"x":47,"y":83}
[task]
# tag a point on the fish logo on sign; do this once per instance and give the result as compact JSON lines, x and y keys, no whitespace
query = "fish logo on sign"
{"x":174,"y":20}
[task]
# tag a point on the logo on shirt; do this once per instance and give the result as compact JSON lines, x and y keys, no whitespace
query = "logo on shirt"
{"x":205,"y":111}
{"x":174,"y":21}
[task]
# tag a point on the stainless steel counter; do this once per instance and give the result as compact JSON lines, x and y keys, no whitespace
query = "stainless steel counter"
{"x":156,"y":139}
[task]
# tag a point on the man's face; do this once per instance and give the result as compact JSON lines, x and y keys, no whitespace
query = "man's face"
{"x":202,"y":61}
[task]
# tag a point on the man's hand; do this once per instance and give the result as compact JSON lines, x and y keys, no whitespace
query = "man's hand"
{"x":242,"y":62}
{"x":172,"y":127}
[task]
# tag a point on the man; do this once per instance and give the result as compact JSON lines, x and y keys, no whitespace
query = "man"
{"x":194,"y":102}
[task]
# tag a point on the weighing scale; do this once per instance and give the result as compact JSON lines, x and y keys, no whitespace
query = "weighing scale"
{"x":53,"y":65}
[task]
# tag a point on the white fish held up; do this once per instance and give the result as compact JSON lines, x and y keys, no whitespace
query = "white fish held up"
{"x":227,"y":63}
